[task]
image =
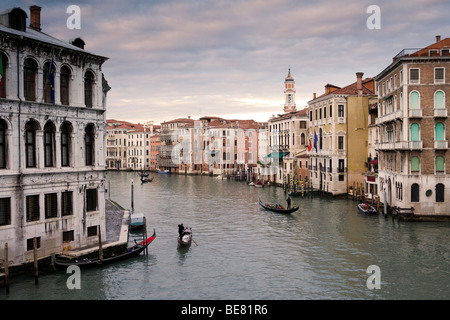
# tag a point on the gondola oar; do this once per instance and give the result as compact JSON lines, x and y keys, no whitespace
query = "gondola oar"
{"x":195,"y":242}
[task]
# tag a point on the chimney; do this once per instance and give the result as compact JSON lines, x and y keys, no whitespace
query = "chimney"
{"x":314,"y":95}
{"x":359,"y":76}
{"x":35,"y":18}
{"x":438,"y":38}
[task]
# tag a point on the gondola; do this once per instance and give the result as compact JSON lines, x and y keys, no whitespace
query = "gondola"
{"x":278,"y":209}
{"x":186,"y":237}
{"x":144,"y":180}
{"x":366,"y":209}
{"x":133,"y":251}
{"x":143,"y":174}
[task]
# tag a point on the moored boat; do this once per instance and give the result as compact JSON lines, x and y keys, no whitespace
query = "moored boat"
{"x":163,"y":171}
{"x":277,"y":208}
{"x":126,"y":253}
{"x":367,"y":209}
{"x":137,"y":221}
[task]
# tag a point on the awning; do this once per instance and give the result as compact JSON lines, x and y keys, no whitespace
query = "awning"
{"x":277,"y":155}
{"x":213,"y":153}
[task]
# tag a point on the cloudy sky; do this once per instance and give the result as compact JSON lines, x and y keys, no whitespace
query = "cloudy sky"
{"x":229,"y":58}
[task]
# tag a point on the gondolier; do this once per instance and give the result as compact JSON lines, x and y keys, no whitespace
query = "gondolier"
{"x":180,"y":230}
{"x":288,"y":200}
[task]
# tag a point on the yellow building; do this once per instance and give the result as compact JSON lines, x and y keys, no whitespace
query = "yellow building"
{"x":338,"y":135}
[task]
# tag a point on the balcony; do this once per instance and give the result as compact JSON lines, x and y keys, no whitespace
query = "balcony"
{"x":402,"y":145}
{"x":441,"y":144}
{"x":440,"y":113}
{"x":415,"y":145}
{"x":415,"y":113}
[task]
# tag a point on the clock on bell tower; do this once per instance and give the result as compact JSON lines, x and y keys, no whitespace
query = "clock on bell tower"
{"x":289,"y":91}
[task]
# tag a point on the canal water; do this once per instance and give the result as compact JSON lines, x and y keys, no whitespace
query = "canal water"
{"x":326,"y":250}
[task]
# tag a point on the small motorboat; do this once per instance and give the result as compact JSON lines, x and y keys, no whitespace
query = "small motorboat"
{"x":163,"y":171}
{"x":137,"y":221}
{"x":186,"y":237}
{"x":277,"y":208}
{"x":367,"y":209}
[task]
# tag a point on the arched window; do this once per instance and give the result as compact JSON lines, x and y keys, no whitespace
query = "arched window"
{"x":439,"y":100}
{"x":303,"y":139}
{"x":415,"y":136}
{"x":440,"y":192}
{"x":415,"y":164}
{"x":439,"y":131}
{"x":3,"y":151}
{"x":3,"y":75}
{"x":440,"y":165}
{"x":414,"y":100}
{"x":29,"y":79}
{"x":88,"y":89}
{"x":65,"y":85}
{"x":415,"y":192}
{"x":30,"y":144}
{"x":49,"y":143}
{"x":66,"y":130}
{"x":49,"y":83}
{"x":89,"y":145}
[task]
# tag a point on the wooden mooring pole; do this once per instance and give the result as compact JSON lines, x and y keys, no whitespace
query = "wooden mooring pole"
{"x":6,"y":269}
{"x":100,"y":248}
{"x":36,"y":268}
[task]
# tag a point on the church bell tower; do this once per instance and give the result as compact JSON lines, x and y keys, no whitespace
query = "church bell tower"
{"x":289,"y":91}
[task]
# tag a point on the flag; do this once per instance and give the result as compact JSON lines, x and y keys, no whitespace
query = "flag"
{"x":51,"y":78}
{"x":1,"y":74}
{"x":315,"y":140}
{"x":309,"y":145}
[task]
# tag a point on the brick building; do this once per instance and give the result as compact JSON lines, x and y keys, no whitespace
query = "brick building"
{"x":414,"y":161}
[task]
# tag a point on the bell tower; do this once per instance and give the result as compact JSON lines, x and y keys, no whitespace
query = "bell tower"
{"x":289,"y":91}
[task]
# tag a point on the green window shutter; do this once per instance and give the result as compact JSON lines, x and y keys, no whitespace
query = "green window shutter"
{"x":414,"y":132}
{"x":439,"y":131}
{"x":414,"y":100}
{"x":414,"y":163}
{"x":439,"y":102}
{"x":439,"y":163}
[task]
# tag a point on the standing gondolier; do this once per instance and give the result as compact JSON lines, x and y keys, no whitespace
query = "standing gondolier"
{"x":288,"y":200}
{"x":180,"y":230}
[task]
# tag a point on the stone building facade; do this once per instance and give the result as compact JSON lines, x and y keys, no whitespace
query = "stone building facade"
{"x":414,"y":127}
{"x":52,"y":133}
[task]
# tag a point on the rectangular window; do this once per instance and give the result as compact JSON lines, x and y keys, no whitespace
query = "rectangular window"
{"x":32,"y":206}
{"x":341,"y":167}
{"x":5,"y":211}
{"x":68,"y":236}
{"x":91,"y":200}
{"x":340,"y":110}
{"x":51,"y":205}
{"x":92,"y":231}
{"x":414,"y":75}
{"x":341,"y":143}
{"x":439,"y":75}
{"x":30,"y":243}
{"x":66,"y":203}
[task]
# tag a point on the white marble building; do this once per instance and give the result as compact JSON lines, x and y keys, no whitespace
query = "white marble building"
{"x":52,"y":150}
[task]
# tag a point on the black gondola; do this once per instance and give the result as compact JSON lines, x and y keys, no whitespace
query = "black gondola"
{"x":144,"y":180}
{"x":133,"y":251}
{"x":277,"y":208}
